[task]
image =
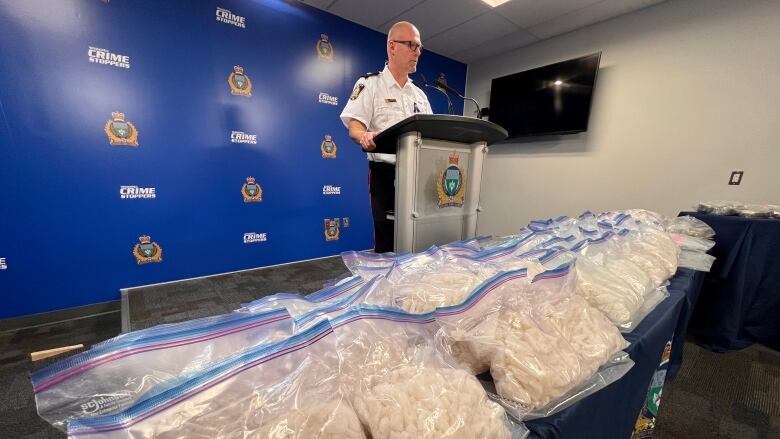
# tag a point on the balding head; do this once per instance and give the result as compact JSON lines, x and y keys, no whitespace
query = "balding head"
{"x":401,"y":37}
{"x":401,"y":31}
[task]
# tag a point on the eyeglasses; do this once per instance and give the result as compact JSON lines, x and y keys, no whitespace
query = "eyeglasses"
{"x":411,"y":45}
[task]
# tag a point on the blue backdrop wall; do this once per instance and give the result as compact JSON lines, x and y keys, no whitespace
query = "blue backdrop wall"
{"x":130,"y":131}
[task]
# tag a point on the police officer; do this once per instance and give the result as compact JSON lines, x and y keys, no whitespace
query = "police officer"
{"x":379,"y":100}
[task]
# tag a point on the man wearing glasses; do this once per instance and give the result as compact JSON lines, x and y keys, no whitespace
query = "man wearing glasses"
{"x":378,"y":101}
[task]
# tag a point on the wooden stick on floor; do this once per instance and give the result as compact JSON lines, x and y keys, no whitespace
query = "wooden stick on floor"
{"x":40,"y":355}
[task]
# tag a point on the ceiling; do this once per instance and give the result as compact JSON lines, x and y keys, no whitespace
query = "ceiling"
{"x":467,"y":30}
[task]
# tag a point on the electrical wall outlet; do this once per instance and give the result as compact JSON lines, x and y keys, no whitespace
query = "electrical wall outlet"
{"x":736,"y":178}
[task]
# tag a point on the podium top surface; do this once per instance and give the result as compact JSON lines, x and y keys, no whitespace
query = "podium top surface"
{"x":460,"y":129}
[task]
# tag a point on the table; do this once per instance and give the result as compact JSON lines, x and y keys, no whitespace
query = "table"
{"x":609,"y":413}
{"x":690,"y":282}
{"x":612,"y":412}
{"x":740,"y":299}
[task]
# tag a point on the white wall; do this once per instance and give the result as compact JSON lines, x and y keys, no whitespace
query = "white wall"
{"x":687,"y":92}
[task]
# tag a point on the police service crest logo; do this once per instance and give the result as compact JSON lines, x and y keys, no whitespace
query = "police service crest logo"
{"x":331,"y":229}
{"x":121,"y":131}
{"x":451,"y":185}
{"x":252,"y":191}
{"x":324,"y":48}
{"x":240,"y":85}
{"x":328,"y":147}
{"x":147,"y":251}
{"x":356,"y":91}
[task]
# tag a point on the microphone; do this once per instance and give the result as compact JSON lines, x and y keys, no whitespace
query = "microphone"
{"x":450,"y":110}
{"x":441,"y":83}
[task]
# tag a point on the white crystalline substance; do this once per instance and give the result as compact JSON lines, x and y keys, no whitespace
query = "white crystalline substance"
{"x":654,"y":252}
{"x":607,"y":292}
{"x":369,"y":349}
{"x":650,"y":265}
{"x":665,"y":248}
{"x":688,"y":225}
{"x":587,"y":331}
{"x":468,"y":356}
{"x":692,"y":243}
{"x":631,"y":273}
{"x":333,"y":420}
{"x":472,"y":348}
{"x":412,"y":403}
{"x":533,"y":364}
{"x":424,"y":292}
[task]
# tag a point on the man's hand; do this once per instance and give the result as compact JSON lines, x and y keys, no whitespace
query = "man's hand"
{"x":367,"y":140}
{"x":361,"y":135}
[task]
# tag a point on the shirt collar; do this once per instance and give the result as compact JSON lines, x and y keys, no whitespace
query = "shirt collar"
{"x":387,"y":76}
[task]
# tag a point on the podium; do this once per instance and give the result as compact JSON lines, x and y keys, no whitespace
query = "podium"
{"x":438,"y":175}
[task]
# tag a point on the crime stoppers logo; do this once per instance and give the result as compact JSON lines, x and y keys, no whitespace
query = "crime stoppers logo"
{"x":328,"y":99}
{"x":252,"y":191}
{"x":242,"y":137}
{"x":324,"y":48}
{"x":147,"y":251}
{"x":3,"y":264}
{"x":331,"y":229}
{"x":225,"y":16}
{"x":121,"y":131}
{"x":252,"y":237}
{"x":451,"y":187}
{"x":97,"y":55}
{"x":331,"y":190}
{"x":328,"y":147}
{"x":240,"y":85}
{"x":135,"y":192}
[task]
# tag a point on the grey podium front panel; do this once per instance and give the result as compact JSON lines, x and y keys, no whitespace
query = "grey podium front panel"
{"x":420,"y":219}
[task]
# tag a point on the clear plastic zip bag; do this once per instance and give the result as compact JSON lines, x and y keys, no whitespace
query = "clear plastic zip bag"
{"x":401,"y":387}
{"x":688,"y":225}
{"x":287,"y":389}
{"x":124,"y":370}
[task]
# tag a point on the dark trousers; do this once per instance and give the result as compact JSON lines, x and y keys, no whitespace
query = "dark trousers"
{"x":381,"y":184}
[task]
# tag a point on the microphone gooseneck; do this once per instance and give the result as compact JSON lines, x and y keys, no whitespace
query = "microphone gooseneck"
{"x":425,"y":83}
{"x":443,"y":85}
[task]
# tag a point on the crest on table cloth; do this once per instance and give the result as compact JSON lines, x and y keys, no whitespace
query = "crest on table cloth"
{"x":451,"y":185}
{"x":121,"y":131}
{"x":239,"y":82}
{"x":324,"y":48}
{"x":146,"y":251}
{"x":328,"y":147}
{"x":252,"y":191}
{"x":331,"y":229}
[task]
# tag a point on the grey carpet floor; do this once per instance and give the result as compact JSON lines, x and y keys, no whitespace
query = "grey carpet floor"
{"x":734,"y":395}
{"x":179,"y":301}
{"x":18,"y":417}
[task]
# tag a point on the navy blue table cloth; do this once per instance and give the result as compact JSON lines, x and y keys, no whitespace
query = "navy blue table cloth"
{"x":690,"y":282}
{"x":612,"y":412}
{"x":740,"y":298}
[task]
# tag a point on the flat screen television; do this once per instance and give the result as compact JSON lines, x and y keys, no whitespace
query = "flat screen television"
{"x":553,"y":99}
